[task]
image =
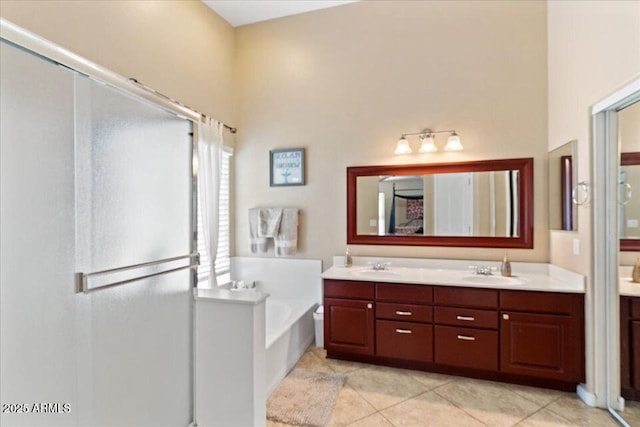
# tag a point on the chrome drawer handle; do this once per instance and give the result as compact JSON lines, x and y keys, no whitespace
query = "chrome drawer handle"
{"x":403,"y":331}
{"x":403,"y":313}
{"x":465,"y":338}
{"x":467,"y":318}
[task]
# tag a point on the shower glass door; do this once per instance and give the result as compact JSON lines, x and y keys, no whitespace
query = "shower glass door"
{"x":92,"y":179}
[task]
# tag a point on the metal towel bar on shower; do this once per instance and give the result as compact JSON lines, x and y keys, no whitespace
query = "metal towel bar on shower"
{"x":81,"y":279}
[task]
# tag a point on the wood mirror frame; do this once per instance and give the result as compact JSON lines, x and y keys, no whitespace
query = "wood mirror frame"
{"x":630,"y":159}
{"x":525,"y":207}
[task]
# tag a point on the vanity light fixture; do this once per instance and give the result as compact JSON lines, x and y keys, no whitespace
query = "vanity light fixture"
{"x":427,"y":142}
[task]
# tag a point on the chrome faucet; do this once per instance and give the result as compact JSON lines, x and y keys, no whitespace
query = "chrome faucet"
{"x":379,"y":265}
{"x":483,"y":270}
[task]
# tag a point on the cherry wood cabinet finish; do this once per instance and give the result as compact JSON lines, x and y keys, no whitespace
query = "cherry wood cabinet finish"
{"x":525,"y":204}
{"x":404,"y":340}
{"x":465,"y":297}
{"x":630,"y":347}
{"x":635,"y":353}
{"x":466,"y":317}
{"x":404,"y":312}
{"x":348,"y":289}
{"x":541,"y":342}
{"x":540,"y":345}
{"x":540,"y":302}
{"x":411,"y":294}
{"x":634,"y":312}
{"x":348,"y":326}
{"x":471,"y":348}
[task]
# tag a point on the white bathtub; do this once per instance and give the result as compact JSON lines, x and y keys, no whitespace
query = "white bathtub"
{"x":289,"y":332}
{"x":295,"y":289}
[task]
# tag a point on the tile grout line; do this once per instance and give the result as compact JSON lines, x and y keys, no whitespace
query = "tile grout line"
{"x":462,"y":409}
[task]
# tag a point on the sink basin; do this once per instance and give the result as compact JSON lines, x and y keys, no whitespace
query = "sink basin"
{"x":375,"y":273}
{"x":496,"y":280}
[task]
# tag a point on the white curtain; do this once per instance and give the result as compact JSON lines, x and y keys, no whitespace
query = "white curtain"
{"x":210,"y":134}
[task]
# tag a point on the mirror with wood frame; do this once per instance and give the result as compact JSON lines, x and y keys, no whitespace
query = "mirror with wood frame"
{"x":486,"y":203}
{"x":629,"y":221}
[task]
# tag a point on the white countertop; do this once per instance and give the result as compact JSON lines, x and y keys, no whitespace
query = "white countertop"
{"x":250,"y":297}
{"x":551,"y":281}
{"x":627,"y":287}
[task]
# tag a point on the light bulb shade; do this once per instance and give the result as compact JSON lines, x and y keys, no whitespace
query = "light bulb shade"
{"x":403,"y":146}
{"x":428,"y":145}
{"x":453,"y":143}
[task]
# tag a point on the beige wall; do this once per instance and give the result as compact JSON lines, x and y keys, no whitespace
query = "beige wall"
{"x":345,"y":82}
{"x":594,"y":48}
{"x":180,"y":48}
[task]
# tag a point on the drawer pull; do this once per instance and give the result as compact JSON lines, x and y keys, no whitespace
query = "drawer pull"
{"x":464,"y":337}
{"x":403,"y":313}
{"x":467,"y":318}
{"x":403,"y":331}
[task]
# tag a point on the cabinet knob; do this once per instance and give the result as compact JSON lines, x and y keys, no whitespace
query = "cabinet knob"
{"x":369,"y":305}
{"x":505,"y":316}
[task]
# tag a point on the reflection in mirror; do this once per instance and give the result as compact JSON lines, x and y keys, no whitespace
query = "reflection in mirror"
{"x":629,"y":212}
{"x":562,"y":178}
{"x":481,"y":204}
{"x":629,"y":178}
{"x":448,"y":204}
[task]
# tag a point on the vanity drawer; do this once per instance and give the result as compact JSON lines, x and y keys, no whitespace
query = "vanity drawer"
{"x":634,"y":310}
{"x":404,"y":312}
{"x":404,"y":340}
{"x":469,"y":348}
{"x":411,"y":294}
{"x":466,"y":317}
{"x":348,"y":289}
{"x":541,"y":302}
{"x":466,"y":297}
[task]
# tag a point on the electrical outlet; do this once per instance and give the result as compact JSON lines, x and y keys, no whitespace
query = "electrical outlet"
{"x":576,"y":246}
{"x":632,"y":223}
{"x":373,"y":223}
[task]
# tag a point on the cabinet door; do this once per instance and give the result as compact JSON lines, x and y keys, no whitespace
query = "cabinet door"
{"x":634,"y":357}
{"x":540,"y":345}
{"x":348,"y":326}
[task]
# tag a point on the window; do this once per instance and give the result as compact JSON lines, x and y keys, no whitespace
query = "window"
{"x":223,"y":258}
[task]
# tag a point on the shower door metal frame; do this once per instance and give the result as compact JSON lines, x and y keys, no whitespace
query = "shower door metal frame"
{"x":606,"y":159}
{"x":52,"y":52}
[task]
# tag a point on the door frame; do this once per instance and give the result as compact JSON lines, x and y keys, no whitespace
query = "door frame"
{"x":605,"y":163}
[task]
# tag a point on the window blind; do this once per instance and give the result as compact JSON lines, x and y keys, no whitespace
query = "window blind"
{"x":223,"y":256}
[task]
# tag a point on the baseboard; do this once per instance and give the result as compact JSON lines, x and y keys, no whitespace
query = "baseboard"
{"x":586,"y":396}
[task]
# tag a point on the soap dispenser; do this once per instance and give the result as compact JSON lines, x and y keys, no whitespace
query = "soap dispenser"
{"x":505,"y":267}
{"x":635,"y":274}
{"x":348,"y":262}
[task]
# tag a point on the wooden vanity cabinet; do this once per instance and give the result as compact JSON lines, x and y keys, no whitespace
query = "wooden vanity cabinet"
{"x":526,"y":337}
{"x":630,"y":347}
{"x":542,"y":335}
{"x":349,"y":317}
{"x":403,"y":322}
{"x":466,"y":330}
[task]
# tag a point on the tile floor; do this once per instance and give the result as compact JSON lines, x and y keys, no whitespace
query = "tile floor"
{"x":379,"y":396}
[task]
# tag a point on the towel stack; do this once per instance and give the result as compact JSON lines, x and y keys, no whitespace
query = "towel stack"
{"x":280,"y":224}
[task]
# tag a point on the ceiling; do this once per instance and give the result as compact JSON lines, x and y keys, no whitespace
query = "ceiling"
{"x":242,"y":12}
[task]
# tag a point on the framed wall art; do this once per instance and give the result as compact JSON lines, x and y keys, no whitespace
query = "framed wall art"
{"x":286,"y":167}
